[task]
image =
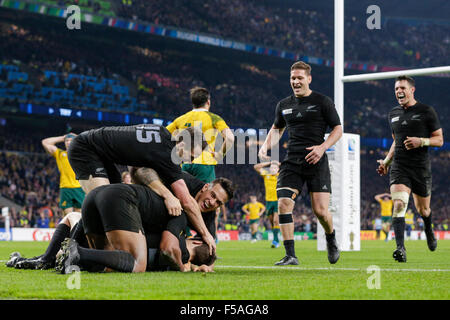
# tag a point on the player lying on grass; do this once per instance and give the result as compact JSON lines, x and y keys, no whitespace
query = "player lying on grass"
{"x":117,"y":217}
{"x":206,"y":196}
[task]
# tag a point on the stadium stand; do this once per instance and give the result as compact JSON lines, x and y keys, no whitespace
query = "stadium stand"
{"x":145,"y":75}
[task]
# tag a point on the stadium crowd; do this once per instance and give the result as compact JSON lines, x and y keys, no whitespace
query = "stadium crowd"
{"x":157,"y":81}
{"x":30,"y":178}
{"x":305,"y":31}
{"x":244,"y":94}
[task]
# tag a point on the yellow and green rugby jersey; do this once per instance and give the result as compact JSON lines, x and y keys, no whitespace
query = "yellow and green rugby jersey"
{"x":409,"y":218}
{"x":386,"y":208}
{"x":270,"y":184}
{"x":67,"y":176}
{"x":254,"y":209}
{"x":211,"y":125}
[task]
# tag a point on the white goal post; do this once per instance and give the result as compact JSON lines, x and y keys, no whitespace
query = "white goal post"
{"x":345,"y":199}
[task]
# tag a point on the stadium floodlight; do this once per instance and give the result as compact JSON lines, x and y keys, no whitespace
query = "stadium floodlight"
{"x":344,"y":156}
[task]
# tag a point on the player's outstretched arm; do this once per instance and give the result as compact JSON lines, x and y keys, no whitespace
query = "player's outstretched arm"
{"x":193,"y":212}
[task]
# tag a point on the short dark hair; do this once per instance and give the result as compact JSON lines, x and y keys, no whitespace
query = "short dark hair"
{"x":195,"y":134}
{"x":202,"y":256}
{"x":227,"y":185}
{"x":199,"y":96}
{"x":300,"y":65}
{"x":410,"y":80}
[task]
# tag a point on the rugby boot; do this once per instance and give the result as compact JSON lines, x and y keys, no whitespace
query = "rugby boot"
{"x":69,"y":256}
{"x":431,"y":239}
{"x":400,"y":254}
{"x":287,"y":260}
{"x":14,"y":258}
{"x":332,"y":248}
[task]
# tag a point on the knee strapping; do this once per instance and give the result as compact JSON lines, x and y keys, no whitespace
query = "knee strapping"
{"x":285,"y":218}
{"x":286,"y":193}
{"x":403,"y":196}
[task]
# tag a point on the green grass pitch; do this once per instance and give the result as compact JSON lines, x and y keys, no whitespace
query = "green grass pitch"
{"x":245,"y":271}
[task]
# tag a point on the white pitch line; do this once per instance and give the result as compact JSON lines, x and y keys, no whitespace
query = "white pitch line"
{"x":328,"y":269}
{"x":319,"y":269}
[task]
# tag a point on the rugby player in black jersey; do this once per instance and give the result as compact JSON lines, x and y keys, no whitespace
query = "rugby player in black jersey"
{"x":94,"y":154}
{"x":415,"y":127}
{"x":118,"y":217}
{"x":306,"y":114}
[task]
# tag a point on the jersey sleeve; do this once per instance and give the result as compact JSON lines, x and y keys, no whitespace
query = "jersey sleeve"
{"x":433,"y":120}
{"x":218,"y":122}
{"x":329,"y":113}
{"x":173,"y":126}
{"x":279,"y":120}
{"x":56,"y":153}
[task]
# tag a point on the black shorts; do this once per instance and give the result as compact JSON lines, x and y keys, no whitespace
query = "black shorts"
{"x":111,"y":207}
{"x":418,"y":179}
{"x":295,"y":172}
{"x":85,"y":161}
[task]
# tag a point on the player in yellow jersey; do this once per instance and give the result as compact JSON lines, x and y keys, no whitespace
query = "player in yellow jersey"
{"x":385,"y":201}
{"x":269,"y":172}
{"x":203,"y":167}
{"x":71,"y":195}
{"x":409,"y":221}
{"x":254,"y":209}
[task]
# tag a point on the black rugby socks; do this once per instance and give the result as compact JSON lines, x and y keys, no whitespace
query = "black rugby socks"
{"x":399,"y":229}
{"x":62,"y":231}
{"x":289,"y":247}
{"x":117,"y":260}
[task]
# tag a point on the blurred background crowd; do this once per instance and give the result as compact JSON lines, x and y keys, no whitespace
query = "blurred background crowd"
{"x":101,"y":68}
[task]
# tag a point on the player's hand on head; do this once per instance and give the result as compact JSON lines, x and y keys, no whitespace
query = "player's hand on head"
{"x":173,"y":206}
{"x":209,"y":240}
{"x":315,"y":155}
{"x":412,"y":143}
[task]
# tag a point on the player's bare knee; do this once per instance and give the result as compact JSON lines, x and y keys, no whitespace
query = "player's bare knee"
{"x":285,"y":201}
{"x":424,"y":211}
{"x":320,"y":211}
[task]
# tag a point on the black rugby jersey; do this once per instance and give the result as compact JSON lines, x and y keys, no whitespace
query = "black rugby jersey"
{"x":419,"y":121}
{"x":306,"y":120}
{"x":153,"y":211}
{"x":144,"y":145}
